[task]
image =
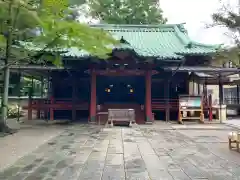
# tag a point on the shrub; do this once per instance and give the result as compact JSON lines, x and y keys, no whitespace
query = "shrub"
{"x":14,"y":112}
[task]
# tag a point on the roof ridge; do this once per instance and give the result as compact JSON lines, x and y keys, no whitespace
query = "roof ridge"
{"x":185,"y":39}
{"x":135,"y":25}
{"x":206,"y":45}
{"x":181,"y":34}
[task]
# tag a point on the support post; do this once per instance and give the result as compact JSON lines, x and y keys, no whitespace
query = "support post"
{"x":30,"y":94}
{"x":74,"y":100}
{"x":205,"y":88}
{"x":46,"y":111}
{"x":19,"y":94}
{"x":193,"y":85}
{"x":93,"y":102}
{"x":205,"y":97}
{"x":220,"y":85}
{"x":42,"y":86}
{"x":48,"y":86}
{"x":210,"y":107}
{"x":166,"y":96}
{"x":40,"y":101}
{"x":148,"y":96}
{"x":51,"y":108}
{"x":199,"y":88}
{"x":29,"y":107}
{"x":51,"y":96}
{"x":238,"y":100}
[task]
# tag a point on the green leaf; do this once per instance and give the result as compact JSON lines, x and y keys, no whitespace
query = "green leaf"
{"x":226,"y":55}
{"x":58,"y":61}
{"x":2,"y":41}
{"x":57,"y":32}
{"x":127,"y":11}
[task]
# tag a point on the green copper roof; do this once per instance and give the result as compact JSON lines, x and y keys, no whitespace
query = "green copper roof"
{"x":169,"y":41}
{"x":160,"y":41}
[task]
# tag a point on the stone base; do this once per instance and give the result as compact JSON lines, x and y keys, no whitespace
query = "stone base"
{"x":131,"y":123}
{"x":148,"y":122}
{"x":92,"y":122}
{"x":110,"y":125}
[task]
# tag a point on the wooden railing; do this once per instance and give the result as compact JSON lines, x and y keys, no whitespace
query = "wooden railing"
{"x":231,"y":101}
{"x":50,"y":105}
{"x":160,"y":104}
{"x":57,"y":104}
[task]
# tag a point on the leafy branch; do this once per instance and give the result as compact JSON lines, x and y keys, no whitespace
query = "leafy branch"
{"x":44,"y":25}
{"x":229,"y":19}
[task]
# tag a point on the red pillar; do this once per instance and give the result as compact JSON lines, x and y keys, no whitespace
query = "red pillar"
{"x":30,"y":102}
{"x":210,"y":107}
{"x":93,"y":102}
{"x":148,"y":96}
{"x":30,"y":108}
{"x":51,"y":108}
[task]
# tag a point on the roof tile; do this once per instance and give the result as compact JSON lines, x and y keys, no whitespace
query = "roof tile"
{"x":160,"y":41}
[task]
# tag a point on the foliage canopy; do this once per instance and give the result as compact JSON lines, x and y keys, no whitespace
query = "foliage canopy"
{"x":127,"y":11}
{"x":231,"y":20}
{"x":43,"y":23}
{"x":46,"y":24}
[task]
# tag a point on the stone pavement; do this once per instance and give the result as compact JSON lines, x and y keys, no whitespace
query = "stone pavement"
{"x":121,"y":153}
{"x":25,"y":140}
{"x":233,"y":122}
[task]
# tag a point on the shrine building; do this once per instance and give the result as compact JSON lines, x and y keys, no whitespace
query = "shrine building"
{"x":147,"y":72}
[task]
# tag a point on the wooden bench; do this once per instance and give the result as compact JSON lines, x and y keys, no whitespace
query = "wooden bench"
{"x":234,"y":139}
{"x":121,"y":116}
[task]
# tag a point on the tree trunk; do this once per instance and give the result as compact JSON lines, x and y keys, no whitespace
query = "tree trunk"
{"x":4,"y":108}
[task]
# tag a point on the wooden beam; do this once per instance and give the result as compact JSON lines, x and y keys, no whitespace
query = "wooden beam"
{"x":122,"y":72}
{"x":33,"y":67}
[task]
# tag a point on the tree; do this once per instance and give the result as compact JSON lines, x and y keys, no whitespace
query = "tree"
{"x":21,"y":19}
{"x":127,"y":11}
{"x":229,"y":19}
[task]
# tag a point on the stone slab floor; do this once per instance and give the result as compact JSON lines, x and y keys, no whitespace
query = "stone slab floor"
{"x":85,"y":152}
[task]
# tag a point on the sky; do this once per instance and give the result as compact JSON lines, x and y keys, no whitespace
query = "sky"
{"x":197,"y":14}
